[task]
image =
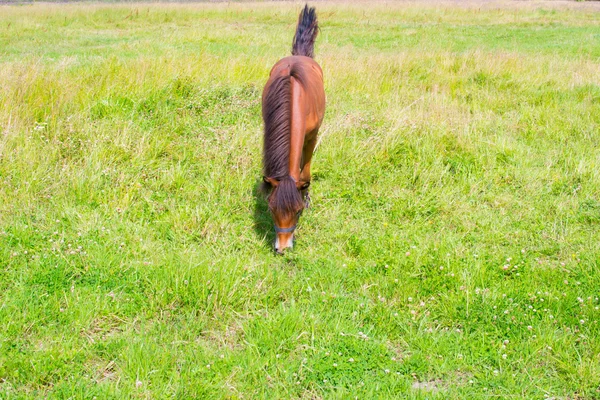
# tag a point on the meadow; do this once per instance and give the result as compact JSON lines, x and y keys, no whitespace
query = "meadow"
{"x":451,"y":249}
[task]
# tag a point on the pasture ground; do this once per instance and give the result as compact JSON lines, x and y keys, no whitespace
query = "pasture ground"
{"x":451,"y":251}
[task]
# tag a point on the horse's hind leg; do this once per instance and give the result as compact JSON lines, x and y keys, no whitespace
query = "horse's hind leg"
{"x":307,"y":153}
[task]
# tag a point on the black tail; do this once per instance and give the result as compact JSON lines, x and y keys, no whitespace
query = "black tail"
{"x":306,"y":33}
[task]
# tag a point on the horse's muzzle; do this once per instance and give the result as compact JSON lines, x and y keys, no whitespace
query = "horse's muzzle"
{"x":284,"y":241}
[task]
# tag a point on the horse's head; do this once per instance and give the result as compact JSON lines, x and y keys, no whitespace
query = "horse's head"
{"x":286,"y":205}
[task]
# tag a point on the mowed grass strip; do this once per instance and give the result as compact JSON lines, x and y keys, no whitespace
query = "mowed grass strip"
{"x":452,"y":246}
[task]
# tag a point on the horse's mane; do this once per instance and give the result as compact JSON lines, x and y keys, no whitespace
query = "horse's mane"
{"x":277,"y":115}
{"x":277,"y":106}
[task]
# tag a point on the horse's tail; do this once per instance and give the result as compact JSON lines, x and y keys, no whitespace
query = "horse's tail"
{"x":306,"y":33}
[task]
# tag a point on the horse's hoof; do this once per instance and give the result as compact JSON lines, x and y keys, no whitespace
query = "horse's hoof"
{"x":307,"y":200}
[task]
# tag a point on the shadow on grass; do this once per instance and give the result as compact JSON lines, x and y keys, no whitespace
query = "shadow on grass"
{"x":263,"y":222}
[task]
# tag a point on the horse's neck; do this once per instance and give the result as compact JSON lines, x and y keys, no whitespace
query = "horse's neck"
{"x":297,"y":128}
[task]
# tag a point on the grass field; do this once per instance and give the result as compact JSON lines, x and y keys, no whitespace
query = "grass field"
{"x":451,"y":250}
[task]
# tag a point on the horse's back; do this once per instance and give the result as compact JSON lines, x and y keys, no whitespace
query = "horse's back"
{"x":308,"y":72}
{"x":301,"y":64}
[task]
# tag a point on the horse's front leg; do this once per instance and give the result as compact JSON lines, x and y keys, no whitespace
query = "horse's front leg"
{"x":307,"y":153}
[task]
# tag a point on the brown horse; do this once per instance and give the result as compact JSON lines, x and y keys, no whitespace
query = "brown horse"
{"x":293,"y":106}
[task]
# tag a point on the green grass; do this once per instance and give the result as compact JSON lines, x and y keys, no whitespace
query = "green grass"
{"x":451,"y":251}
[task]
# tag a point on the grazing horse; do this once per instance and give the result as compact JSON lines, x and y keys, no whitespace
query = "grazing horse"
{"x":293,"y":106}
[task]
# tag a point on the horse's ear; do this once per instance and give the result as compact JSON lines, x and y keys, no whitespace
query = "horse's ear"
{"x":302,"y":185}
{"x":271,"y":181}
